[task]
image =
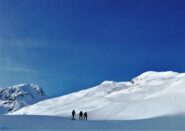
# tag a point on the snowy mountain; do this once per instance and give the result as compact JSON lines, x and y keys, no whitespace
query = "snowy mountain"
{"x":16,"y":97}
{"x":152,"y":94}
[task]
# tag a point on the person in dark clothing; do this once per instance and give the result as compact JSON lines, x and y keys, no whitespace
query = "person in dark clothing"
{"x":80,"y":115}
{"x":73,"y":114}
{"x":85,"y":116}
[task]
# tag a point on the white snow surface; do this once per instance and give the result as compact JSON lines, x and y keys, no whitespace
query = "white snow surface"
{"x":152,"y":94}
{"x":52,"y":123}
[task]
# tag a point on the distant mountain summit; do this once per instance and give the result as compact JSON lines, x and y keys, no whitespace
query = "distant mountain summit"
{"x":18,"y":96}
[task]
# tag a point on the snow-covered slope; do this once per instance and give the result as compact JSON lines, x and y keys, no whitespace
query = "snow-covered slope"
{"x":53,"y":123}
{"x":16,"y":97}
{"x":151,"y":94}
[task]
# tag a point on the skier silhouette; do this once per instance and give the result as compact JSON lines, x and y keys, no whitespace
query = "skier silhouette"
{"x":73,"y":114}
{"x":80,"y":115}
{"x":85,"y":116}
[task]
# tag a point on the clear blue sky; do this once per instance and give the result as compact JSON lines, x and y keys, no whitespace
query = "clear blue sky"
{"x":69,"y":45}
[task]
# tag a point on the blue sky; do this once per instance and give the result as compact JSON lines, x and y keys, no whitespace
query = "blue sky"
{"x":69,"y":45}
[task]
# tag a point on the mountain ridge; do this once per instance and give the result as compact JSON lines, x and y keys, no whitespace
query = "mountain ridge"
{"x":151,"y":94}
{"x":18,"y":96}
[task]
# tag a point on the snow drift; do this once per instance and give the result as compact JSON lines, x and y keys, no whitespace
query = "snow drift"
{"x":152,"y":94}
